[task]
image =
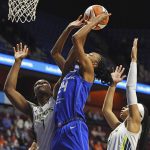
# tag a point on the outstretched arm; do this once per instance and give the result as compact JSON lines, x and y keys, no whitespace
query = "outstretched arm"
{"x":57,"y":49}
{"x":108,"y":101}
{"x":10,"y":84}
{"x":79,"y":40}
{"x":134,"y":120}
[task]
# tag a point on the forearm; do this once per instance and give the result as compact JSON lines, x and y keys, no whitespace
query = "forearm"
{"x":57,"y":49}
{"x":82,"y":33}
{"x":79,"y":39}
{"x":108,"y":101}
{"x":70,"y":61}
{"x":131,"y":92}
{"x":12,"y":77}
{"x":131,"y":84}
{"x":132,"y":102}
{"x":107,"y":108}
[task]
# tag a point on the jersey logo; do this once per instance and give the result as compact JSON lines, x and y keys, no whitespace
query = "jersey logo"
{"x":43,"y":115}
{"x":72,"y":127}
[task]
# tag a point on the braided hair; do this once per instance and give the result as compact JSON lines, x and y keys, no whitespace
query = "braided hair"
{"x":103,"y":73}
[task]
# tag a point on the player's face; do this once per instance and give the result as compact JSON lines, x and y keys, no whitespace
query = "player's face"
{"x":124,"y":113}
{"x":42,"y":86}
{"x":95,"y":58}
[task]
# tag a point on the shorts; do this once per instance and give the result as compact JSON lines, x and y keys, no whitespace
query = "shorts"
{"x":72,"y":136}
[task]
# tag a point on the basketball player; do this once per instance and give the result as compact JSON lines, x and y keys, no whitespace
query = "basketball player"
{"x":134,"y":128}
{"x":72,"y":131}
{"x":42,"y":115}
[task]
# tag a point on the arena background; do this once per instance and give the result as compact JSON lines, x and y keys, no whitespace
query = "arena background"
{"x":128,"y":20}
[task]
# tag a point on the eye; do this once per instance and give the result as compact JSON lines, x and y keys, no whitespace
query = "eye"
{"x":45,"y":83}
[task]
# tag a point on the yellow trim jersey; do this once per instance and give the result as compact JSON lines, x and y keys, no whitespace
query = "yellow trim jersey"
{"x":122,"y":139}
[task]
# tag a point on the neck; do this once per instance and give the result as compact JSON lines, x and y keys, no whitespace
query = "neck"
{"x":43,"y":99}
{"x":126,"y":121}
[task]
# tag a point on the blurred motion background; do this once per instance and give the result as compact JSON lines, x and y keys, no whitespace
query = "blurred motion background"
{"x":129,"y":20}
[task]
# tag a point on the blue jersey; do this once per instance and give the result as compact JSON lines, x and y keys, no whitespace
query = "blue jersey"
{"x":71,"y":97}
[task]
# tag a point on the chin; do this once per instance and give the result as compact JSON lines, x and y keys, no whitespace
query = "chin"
{"x":122,"y":118}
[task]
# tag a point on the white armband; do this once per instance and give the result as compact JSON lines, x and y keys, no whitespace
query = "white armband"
{"x":131,"y":84}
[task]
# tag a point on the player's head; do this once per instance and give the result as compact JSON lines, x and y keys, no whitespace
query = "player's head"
{"x":42,"y":87}
{"x":144,"y":122}
{"x":95,"y":58}
{"x":125,"y":111}
{"x":100,"y":69}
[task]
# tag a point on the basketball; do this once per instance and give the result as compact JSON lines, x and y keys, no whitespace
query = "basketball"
{"x":93,"y":11}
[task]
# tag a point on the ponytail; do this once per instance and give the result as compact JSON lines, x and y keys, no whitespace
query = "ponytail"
{"x":145,"y":129}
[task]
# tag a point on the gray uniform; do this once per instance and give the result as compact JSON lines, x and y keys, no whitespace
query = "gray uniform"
{"x":44,"y":124}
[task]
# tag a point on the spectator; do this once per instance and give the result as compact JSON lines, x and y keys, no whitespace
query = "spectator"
{"x":98,"y":146}
{"x":7,"y":122}
{"x":19,"y":122}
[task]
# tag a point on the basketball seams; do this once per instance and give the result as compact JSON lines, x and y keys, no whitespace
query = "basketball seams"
{"x":93,"y":11}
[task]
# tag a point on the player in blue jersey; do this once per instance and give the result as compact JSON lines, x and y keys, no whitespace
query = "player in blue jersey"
{"x":71,"y":129}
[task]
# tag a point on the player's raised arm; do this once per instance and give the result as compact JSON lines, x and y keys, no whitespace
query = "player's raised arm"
{"x":79,"y":40}
{"x":107,"y":108}
{"x":134,"y":113}
{"x":58,"y":47}
{"x":14,"y":96}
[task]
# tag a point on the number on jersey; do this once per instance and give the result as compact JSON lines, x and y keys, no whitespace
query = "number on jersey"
{"x":64,"y":85}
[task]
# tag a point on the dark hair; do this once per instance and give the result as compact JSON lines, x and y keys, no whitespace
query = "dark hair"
{"x":102,"y":73}
{"x":145,"y":129}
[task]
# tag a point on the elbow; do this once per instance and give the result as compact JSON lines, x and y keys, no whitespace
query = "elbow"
{"x":75,"y":39}
{"x":52,"y":52}
{"x":54,"y":55}
{"x":7,"y":90}
{"x":104,"y":111}
{"x":55,"y":51}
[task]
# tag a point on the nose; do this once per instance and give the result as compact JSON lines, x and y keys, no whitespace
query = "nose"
{"x":123,"y":108}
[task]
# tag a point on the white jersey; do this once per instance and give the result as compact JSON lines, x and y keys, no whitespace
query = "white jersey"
{"x":44,"y":124}
{"x":122,"y":139}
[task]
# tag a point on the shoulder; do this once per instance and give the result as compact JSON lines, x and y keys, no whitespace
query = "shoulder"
{"x":32,"y":104}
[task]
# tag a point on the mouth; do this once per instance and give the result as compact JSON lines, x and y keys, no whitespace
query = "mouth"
{"x":40,"y":86}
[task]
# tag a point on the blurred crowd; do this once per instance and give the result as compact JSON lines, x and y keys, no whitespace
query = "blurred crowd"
{"x":15,"y":131}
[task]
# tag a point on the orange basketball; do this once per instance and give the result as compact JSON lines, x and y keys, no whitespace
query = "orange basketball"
{"x":94,"y":11}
